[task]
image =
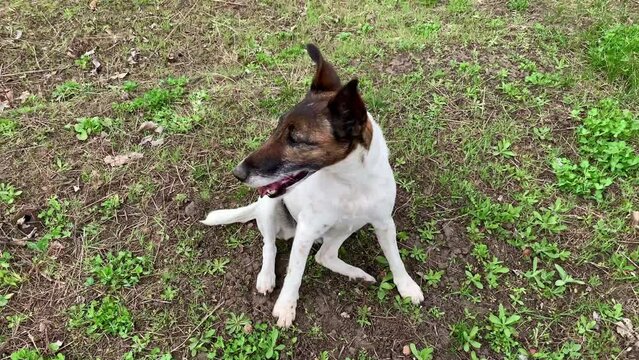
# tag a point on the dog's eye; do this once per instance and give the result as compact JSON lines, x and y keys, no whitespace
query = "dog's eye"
{"x":294,"y":139}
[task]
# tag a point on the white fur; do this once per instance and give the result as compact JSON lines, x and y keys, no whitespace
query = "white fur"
{"x":330,"y":204}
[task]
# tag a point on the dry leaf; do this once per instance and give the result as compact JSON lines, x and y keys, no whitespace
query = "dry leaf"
{"x":148,"y":125}
{"x":634,"y":219}
{"x":627,"y":331}
{"x":93,"y":5}
{"x":24,"y":96}
{"x":120,"y":160}
{"x":146,"y":140}
{"x":157,"y":142}
{"x":97,"y":65}
{"x":133,"y":57}
{"x":119,"y":76}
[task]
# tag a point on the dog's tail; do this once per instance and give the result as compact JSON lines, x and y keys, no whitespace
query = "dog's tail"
{"x":229,"y":216}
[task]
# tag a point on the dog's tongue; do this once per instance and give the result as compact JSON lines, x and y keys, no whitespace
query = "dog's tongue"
{"x":279,"y":187}
{"x":272,"y":188}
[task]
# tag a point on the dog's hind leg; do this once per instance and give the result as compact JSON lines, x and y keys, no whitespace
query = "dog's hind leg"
{"x":327,"y":256}
{"x":407,"y":287}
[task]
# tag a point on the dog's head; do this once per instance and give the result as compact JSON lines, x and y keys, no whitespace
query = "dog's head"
{"x":326,"y":126}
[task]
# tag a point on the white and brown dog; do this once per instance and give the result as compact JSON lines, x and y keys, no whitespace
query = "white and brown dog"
{"x":322,"y":174}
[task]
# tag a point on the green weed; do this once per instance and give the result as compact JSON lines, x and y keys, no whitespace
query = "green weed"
{"x":605,"y":139}
{"x":242,"y":341}
{"x":8,"y":127}
{"x":83,"y":62}
{"x":421,"y":354}
{"x":502,"y":330}
{"x":8,"y":278}
{"x":35,"y":354}
{"x":617,"y":52}
{"x":87,"y":126}
{"x":518,"y":5}
{"x":106,"y":316}
{"x":363,"y":315}
{"x":67,"y":91}
{"x":8,"y":193}
{"x":57,"y":224}
{"x":433,"y":278}
{"x":119,"y":270}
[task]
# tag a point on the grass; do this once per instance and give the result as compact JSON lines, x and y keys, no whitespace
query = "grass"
{"x":513,"y":132}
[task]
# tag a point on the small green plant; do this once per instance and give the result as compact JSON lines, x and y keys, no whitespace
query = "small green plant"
{"x":35,"y":354}
{"x":433,"y":277}
{"x":459,"y":6}
{"x":494,"y":269}
{"x":87,"y":126}
{"x":363,"y":315}
{"x":565,"y":278}
{"x":8,"y":193}
{"x":474,"y":279}
{"x":119,"y":270}
{"x":466,"y":336}
{"x":15,"y":320}
{"x":242,"y":341}
{"x":169,"y":293}
{"x":423,"y":354}
{"x":110,"y":206}
{"x":616,"y":52}
{"x":418,"y":254}
{"x":540,"y":276}
{"x":218,"y":266}
{"x":518,"y":5}
{"x":8,"y":127}
{"x":480,"y":252}
{"x":549,"y":251}
{"x":83,"y":62}
{"x":67,"y":90}
{"x":236,"y":323}
{"x":503,"y":149}
{"x":436,"y":312}
{"x":56,"y":223}
{"x":106,"y":316}
{"x":385,"y":286}
{"x":502,"y":329}
{"x":585,"y":325}
{"x":8,"y":278}
{"x":130,"y":86}
{"x":605,"y":147}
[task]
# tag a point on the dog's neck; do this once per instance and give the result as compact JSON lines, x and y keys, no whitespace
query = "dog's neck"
{"x":361,"y":162}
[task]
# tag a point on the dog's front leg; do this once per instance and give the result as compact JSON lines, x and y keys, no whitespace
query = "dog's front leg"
{"x":305,"y":234}
{"x":407,"y":287}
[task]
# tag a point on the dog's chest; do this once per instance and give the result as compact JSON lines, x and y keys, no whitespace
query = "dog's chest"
{"x":349,"y":203}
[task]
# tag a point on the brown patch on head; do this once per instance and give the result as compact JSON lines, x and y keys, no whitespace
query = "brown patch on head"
{"x":321,"y":130}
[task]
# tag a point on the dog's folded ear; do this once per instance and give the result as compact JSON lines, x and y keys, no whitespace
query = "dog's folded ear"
{"x":348,"y":112}
{"x":325,"y":78}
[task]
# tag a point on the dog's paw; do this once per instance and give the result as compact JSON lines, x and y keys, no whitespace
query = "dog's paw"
{"x":363,"y":276}
{"x":284,"y":311}
{"x":265,"y":282}
{"x":408,"y":288}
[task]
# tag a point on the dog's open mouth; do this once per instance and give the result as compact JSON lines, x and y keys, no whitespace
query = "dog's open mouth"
{"x":279,"y":187}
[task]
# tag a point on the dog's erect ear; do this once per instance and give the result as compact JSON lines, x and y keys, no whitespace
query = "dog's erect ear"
{"x":325,"y":78}
{"x":348,"y":112}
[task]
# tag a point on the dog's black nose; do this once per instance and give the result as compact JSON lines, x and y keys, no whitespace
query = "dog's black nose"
{"x":240,"y":172}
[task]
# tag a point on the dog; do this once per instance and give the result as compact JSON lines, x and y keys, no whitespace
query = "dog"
{"x":322,"y":174}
